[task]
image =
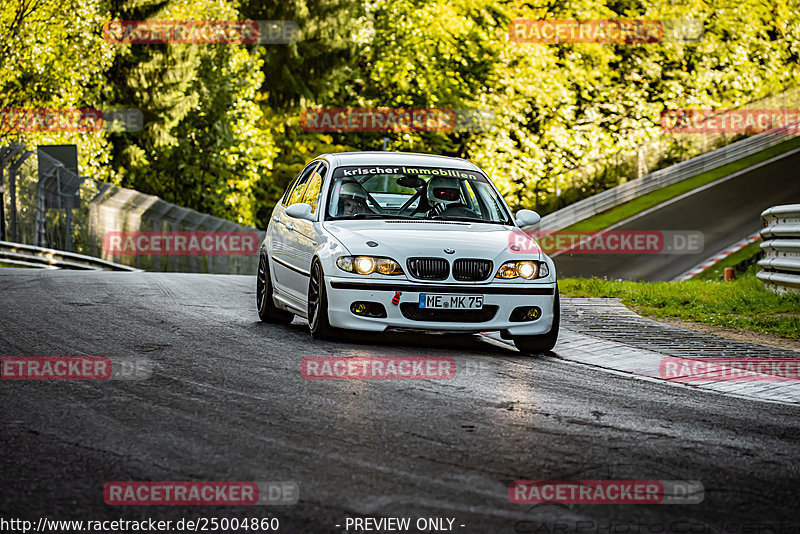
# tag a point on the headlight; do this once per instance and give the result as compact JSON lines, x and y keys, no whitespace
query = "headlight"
{"x":544,"y":270}
{"x":365,"y":265}
{"x":368,"y":264}
{"x":523,"y":269}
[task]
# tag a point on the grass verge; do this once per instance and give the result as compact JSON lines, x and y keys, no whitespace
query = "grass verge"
{"x":619,"y":213}
{"x":745,"y":253}
{"x":743,"y":303}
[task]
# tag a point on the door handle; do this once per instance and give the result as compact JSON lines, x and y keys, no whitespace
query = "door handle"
{"x":276,"y":218}
{"x":290,"y":227}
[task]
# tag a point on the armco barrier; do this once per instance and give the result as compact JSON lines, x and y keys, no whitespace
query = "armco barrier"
{"x":664,"y":177}
{"x":781,"y":246}
{"x":47,"y":258}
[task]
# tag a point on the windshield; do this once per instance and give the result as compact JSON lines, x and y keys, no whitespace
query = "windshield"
{"x":381,"y":192}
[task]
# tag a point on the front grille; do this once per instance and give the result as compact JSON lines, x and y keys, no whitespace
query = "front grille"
{"x":411,"y":310}
{"x":428,"y":268}
{"x":470,"y":270}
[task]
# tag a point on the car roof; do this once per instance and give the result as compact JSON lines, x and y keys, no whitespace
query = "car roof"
{"x":396,"y":158}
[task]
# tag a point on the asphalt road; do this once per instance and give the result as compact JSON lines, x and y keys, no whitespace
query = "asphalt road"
{"x":227,"y":402}
{"x":725,"y":214}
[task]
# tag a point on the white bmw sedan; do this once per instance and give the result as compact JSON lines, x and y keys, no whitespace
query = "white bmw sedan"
{"x":373,"y":241}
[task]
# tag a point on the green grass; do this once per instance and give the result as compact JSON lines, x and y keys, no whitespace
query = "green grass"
{"x":743,"y":303}
{"x":715,"y":271}
{"x":619,"y":213}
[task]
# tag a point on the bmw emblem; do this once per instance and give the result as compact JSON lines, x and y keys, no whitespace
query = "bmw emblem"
{"x":449,"y":251}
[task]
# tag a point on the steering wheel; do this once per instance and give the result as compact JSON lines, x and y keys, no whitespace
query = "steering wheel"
{"x":452,"y":206}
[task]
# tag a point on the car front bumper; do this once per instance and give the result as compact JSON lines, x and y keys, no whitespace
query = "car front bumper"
{"x":342,"y":292}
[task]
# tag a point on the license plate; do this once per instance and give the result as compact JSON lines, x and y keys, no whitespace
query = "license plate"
{"x":451,"y":302}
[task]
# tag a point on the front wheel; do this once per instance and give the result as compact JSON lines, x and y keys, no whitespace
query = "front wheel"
{"x":545,"y":342}
{"x":267,"y":311}
{"x":318,"y":304}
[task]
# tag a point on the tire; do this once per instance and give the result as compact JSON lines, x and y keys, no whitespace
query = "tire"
{"x":267,"y":311}
{"x":318,"y":322}
{"x":545,"y":342}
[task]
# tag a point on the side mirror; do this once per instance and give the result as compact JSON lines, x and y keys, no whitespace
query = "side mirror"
{"x":301,"y":210}
{"x":527,"y":218}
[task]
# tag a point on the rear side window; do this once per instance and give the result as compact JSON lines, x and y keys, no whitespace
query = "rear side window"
{"x":297,"y":190}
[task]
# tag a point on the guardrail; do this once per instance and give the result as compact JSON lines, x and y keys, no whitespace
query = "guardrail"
{"x":781,"y":246}
{"x":47,"y":258}
{"x":664,"y":177}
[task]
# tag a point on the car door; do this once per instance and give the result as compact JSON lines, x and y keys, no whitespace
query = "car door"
{"x":289,"y":271}
{"x":308,"y":233}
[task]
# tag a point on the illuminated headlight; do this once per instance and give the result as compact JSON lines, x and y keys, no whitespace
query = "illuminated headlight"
{"x":368,"y":264}
{"x":523,"y":269}
{"x":364,"y":265}
{"x":527,"y":269}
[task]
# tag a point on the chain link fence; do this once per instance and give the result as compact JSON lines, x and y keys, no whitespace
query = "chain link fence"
{"x":40,"y":216}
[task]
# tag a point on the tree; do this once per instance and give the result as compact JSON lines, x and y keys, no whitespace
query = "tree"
{"x":201,"y":146}
{"x":53,"y":58}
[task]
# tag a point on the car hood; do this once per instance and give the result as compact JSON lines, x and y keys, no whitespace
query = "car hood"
{"x":404,"y":238}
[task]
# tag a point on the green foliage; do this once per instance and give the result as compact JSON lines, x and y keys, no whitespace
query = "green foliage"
{"x":555,"y":106}
{"x":51,"y":54}
{"x":202,"y":146}
{"x":52,"y":57}
{"x":320,"y":63}
{"x":222,"y":122}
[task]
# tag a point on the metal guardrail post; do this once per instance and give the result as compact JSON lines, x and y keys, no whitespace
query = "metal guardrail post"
{"x":781,"y":234}
{"x":157,"y":218}
{"x":209,"y":257}
{"x":39,"y":233}
{"x":2,"y":207}
{"x":176,"y":226}
{"x":7,"y":155}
